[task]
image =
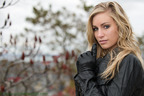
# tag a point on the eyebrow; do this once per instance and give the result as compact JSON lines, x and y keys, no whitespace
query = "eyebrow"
{"x":101,"y":24}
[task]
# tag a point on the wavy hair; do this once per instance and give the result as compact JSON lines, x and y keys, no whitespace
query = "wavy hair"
{"x":126,"y":41}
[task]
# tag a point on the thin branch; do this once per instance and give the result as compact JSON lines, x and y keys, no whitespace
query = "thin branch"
{"x":7,"y":23}
{"x":11,"y":3}
{"x":23,"y":80}
{"x":12,"y":65}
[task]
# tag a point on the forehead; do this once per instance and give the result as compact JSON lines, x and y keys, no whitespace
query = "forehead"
{"x":101,"y":18}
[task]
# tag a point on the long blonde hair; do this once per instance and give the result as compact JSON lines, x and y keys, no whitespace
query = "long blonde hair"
{"x":126,"y":42}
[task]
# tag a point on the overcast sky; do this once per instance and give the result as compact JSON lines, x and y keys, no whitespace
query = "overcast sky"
{"x":23,"y":9}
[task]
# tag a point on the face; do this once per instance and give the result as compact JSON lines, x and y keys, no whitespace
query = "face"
{"x":105,"y":30}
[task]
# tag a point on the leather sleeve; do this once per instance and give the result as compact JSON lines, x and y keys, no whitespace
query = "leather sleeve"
{"x":127,"y":82}
{"x":86,"y":84}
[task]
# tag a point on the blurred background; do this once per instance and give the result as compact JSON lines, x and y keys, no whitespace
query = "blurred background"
{"x":40,"y":41}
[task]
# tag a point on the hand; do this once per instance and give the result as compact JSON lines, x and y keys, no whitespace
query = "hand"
{"x":87,"y":60}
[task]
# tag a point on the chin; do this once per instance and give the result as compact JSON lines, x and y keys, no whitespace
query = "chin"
{"x":108,"y":47}
{"x":105,"y":47}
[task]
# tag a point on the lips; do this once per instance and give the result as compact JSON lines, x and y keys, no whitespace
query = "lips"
{"x":103,"y":41}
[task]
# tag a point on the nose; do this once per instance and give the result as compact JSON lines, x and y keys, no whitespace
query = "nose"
{"x":100,"y":33}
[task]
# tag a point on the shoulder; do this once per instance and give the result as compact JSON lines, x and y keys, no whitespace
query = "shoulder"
{"x":131,"y":58}
{"x":131,"y":61}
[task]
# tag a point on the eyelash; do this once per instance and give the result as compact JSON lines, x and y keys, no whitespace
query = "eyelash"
{"x":105,"y":27}
{"x":95,"y":29}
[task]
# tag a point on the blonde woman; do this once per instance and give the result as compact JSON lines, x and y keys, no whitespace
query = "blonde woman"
{"x":113,"y":66}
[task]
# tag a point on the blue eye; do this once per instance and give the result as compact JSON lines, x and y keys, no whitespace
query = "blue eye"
{"x":95,"y":29}
{"x":106,"y":26}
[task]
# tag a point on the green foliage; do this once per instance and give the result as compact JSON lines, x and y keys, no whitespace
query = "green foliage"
{"x":39,"y":13}
{"x":86,"y":8}
{"x":65,"y":28}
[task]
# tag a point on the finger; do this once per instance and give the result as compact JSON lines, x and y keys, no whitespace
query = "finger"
{"x":94,"y":50}
{"x":85,"y":54}
{"x":89,"y":53}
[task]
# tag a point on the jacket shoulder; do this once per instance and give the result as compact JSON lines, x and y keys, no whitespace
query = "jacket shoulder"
{"x":131,"y":57}
{"x":131,"y":61}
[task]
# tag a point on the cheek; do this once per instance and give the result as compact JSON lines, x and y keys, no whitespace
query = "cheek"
{"x":115,"y":37}
{"x":113,"y":33}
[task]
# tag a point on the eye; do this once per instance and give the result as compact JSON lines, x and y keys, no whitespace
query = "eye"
{"x":106,"y":26}
{"x":95,"y":29}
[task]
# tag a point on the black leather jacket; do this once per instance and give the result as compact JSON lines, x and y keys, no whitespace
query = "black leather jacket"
{"x":129,"y":81}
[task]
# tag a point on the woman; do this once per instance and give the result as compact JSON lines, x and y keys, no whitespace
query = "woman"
{"x":114,"y":66}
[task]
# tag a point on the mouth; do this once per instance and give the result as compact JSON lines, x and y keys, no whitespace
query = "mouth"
{"x":103,"y":42}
